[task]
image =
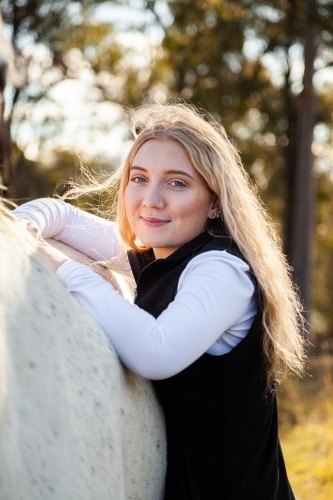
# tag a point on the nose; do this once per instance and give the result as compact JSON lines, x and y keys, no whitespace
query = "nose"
{"x":153,"y":198}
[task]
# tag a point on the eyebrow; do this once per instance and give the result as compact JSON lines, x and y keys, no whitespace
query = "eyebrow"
{"x":166,"y":172}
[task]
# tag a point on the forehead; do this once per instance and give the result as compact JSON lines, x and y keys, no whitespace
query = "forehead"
{"x":162,"y":152}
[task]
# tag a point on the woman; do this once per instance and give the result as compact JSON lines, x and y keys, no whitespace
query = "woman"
{"x":216,"y":320}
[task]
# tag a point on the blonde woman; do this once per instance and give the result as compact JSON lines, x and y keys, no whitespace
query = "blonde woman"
{"x":216,"y":320}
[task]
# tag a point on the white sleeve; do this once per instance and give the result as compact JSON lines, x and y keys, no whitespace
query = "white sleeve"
{"x":213,"y":297}
{"x":95,"y":237}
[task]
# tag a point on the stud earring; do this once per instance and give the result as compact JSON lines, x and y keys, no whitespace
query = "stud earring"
{"x":216,"y":215}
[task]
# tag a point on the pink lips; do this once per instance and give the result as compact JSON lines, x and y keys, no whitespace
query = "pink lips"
{"x":152,"y":222}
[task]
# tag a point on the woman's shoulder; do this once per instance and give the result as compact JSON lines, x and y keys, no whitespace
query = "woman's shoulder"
{"x":224,"y":243}
{"x":219,"y":266}
{"x":219,"y":259}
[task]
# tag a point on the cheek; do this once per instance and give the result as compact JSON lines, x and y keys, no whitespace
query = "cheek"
{"x":197,"y":208}
{"x":131,"y":203}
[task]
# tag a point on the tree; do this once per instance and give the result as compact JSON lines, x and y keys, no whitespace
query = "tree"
{"x":302,"y":206}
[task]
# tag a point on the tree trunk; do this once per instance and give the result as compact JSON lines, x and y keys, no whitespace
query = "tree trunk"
{"x":300,"y":242}
{"x":10,"y":175}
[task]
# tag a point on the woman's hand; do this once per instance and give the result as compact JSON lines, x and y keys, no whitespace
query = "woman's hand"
{"x":51,"y":255}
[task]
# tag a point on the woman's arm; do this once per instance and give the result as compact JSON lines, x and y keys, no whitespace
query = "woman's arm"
{"x":213,"y":297}
{"x":91,"y":235}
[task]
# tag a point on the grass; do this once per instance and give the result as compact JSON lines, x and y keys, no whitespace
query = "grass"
{"x":306,"y":431}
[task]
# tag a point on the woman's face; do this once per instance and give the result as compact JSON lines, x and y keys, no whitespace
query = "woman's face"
{"x":167,"y":201}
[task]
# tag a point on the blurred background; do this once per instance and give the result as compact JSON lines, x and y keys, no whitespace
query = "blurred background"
{"x":264,"y":69}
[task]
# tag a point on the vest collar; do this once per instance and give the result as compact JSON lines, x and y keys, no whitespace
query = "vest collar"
{"x":189,"y":248}
{"x":139,"y":261}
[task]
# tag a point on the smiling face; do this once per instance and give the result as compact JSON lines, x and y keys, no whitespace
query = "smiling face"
{"x":167,"y":201}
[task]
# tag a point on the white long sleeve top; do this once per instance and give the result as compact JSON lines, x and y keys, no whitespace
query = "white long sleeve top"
{"x":212,"y":312}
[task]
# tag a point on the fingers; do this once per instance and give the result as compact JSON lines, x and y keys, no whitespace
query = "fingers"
{"x":31,"y":227}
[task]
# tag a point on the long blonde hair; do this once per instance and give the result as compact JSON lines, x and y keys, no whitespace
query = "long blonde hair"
{"x":243,"y":217}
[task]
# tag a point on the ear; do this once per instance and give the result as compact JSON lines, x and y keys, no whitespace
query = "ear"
{"x":215,"y":207}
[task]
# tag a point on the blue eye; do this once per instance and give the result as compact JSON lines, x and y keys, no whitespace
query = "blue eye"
{"x":177,"y":183}
{"x":138,"y":179}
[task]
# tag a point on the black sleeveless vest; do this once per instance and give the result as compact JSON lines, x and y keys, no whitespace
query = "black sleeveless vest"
{"x":221,"y":421}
